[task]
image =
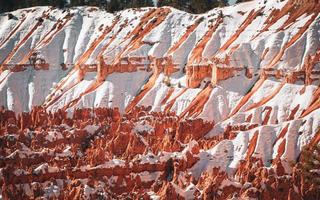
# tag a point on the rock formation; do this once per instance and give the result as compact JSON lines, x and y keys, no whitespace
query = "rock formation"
{"x":156,"y":103}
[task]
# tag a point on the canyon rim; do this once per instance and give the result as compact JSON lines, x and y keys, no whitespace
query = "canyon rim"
{"x":158,"y":103}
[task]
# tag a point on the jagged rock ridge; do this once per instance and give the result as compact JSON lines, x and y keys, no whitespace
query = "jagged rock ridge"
{"x":239,"y":83}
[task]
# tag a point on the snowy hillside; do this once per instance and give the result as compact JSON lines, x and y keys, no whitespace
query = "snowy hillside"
{"x":251,"y":69}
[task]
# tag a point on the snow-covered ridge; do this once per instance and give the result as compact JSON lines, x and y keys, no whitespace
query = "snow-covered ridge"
{"x":252,"y":35}
{"x":250,"y":71}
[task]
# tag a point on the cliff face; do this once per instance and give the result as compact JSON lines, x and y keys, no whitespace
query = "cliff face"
{"x":267,"y":39}
{"x":101,"y":153}
{"x":158,"y":102}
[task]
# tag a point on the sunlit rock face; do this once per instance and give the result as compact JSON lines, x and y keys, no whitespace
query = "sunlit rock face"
{"x":159,"y":103}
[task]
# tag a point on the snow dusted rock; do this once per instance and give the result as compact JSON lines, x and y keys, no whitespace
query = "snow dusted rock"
{"x":257,"y":37}
{"x":159,"y":103}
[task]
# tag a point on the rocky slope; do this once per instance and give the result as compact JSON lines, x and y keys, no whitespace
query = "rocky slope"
{"x":158,"y":103}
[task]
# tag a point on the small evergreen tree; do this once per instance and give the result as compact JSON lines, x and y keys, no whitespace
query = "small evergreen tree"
{"x":310,"y":164}
{"x":181,"y":5}
{"x":240,"y":1}
{"x":199,"y":6}
{"x":77,"y":2}
{"x":113,"y":6}
{"x":193,"y":6}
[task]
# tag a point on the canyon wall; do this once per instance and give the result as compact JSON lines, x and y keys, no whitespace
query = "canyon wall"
{"x":159,"y":103}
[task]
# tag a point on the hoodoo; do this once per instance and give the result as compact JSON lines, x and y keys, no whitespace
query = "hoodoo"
{"x":158,"y":103}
